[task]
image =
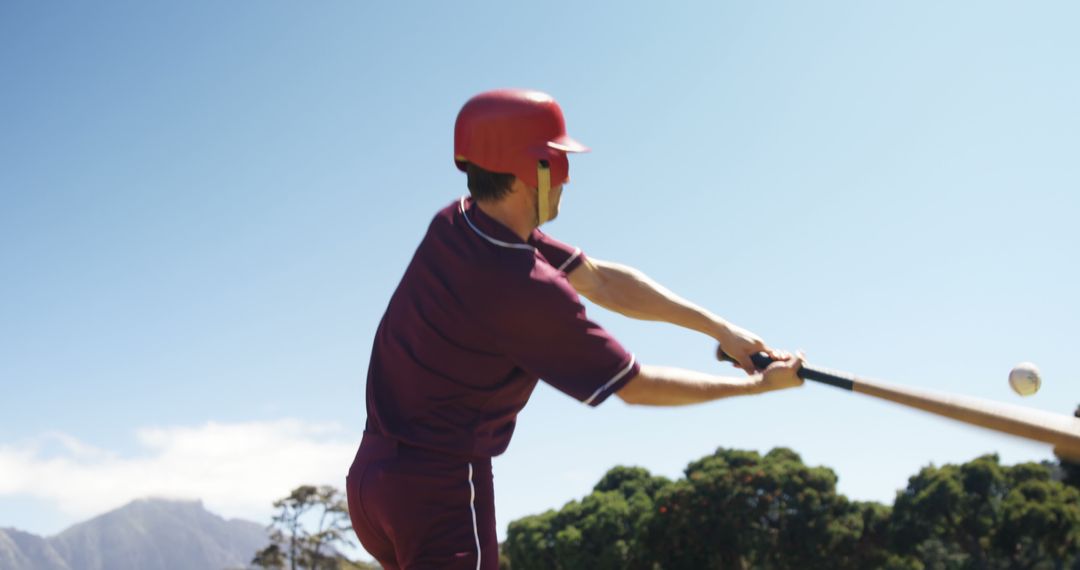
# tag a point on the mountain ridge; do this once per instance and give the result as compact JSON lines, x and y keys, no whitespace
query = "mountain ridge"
{"x":145,"y":534}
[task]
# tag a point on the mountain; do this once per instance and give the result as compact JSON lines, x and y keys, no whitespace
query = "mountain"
{"x":148,"y":534}
{"x":24,"y":551}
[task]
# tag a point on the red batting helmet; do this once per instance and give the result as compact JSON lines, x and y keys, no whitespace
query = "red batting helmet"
{"x":511,"y":131}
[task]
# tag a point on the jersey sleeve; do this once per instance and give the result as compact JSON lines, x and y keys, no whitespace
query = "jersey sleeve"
{"x":544,"y":330}
{"x":563,"y":257}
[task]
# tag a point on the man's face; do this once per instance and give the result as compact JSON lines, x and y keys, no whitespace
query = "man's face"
{"x":531,"y":194}
{"x":554,"y":197}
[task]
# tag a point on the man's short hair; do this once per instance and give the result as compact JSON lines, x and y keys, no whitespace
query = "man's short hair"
{"x":485,"y":185}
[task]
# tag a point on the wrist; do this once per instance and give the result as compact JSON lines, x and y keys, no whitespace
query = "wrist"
{"x":718,"y":328}
{"x":747,"y":386}
{"x":757,"y":385}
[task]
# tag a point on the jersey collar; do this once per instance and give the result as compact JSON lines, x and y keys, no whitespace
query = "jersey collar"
{"x":491,"y":229}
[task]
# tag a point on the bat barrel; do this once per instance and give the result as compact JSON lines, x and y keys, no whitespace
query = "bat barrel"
{"x":1063,"y":432}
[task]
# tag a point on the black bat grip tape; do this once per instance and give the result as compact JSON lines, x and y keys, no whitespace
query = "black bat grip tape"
{"x":762,"y":361}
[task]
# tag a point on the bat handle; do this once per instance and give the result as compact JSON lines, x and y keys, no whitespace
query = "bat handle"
{"x":840,"y":380}
{"x":761,"y":360}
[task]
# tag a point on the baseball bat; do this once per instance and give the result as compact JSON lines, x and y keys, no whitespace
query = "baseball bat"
{"x":1061,"y":431}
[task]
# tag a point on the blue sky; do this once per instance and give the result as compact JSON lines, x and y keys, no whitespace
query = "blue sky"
{"x":205,"y":206}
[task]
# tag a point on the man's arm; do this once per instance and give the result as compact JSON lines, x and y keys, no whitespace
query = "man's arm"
{"x":630,"y":292}
{"x":662,"y":386}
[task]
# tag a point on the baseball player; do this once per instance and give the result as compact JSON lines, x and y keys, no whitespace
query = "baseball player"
{"x":488,"y":306}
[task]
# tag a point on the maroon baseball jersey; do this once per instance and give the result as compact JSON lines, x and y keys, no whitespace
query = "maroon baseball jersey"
{"x":478,"y":318}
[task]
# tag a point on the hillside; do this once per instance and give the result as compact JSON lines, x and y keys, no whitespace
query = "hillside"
{"x":148,"y":534}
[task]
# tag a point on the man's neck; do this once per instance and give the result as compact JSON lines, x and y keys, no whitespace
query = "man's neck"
{"x":509,"y":213}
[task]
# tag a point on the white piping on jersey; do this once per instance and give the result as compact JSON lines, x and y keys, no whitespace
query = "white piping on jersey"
{"x":489,"y":238}
{"x":472,"y":507}
{"x":612,"y":381}
{"x":577,"y":252}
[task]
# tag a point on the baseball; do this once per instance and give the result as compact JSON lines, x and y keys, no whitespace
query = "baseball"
{"x":1025,"y":379}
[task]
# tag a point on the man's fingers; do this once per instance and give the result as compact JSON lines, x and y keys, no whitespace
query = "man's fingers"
{"x":781,"y":358}
{"x":785,"y":359}
{"x":742,"y":361}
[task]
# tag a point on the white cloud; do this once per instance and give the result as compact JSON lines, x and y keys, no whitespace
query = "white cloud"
{"x":236,"y":469}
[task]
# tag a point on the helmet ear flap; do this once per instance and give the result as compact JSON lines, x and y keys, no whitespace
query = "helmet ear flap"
{"x":543,"y":191}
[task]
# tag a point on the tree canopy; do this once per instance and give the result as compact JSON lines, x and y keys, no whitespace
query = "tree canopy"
{"x":738,"y":509}
{"x":311,"y":525}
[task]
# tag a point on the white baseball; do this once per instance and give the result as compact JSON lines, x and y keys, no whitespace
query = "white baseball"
{"x":1025,"y":379}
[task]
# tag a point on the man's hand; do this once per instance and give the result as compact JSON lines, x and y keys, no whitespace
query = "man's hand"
{"x":739,"y":344}
{"x":783,"y":373}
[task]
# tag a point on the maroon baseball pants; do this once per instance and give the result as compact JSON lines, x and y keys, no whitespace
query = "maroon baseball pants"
{"x":417,"y":509}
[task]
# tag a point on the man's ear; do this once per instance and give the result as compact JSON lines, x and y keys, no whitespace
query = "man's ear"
{"x":518,"y":186}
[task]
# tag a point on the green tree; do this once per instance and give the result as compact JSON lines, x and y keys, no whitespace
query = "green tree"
{"x":271,"y":556}
{"x":530,"y":543}
{"x":1040,"y":519}
{"x":1070,"y":469}
{"x":631,"y":481}
{"x":598,"y":532}
{"x":736,"y":509}
{"x":982,"y":515}
{"x":311,"y":523}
